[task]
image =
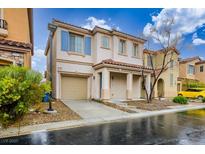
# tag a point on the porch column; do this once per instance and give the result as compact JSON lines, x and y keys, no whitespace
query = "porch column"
{"x":148,"y":82}
{"x":105,"y":84}
{"x":129,"y":85}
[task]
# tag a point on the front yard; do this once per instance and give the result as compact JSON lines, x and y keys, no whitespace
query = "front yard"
{"x":155,"y":105}
{"x":38,"y":116}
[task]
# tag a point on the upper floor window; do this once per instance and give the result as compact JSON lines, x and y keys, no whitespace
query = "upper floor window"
{"x":171,"y":64}
{"x":149,"y":60}
{"x":202,"y":68}
{"x":105,"y":42}
{"x":76,"y":43}
{"x":122,"y":46}
{"x":171,"y":79}
{"x":135,"y":50}
{"x":191,"y":69}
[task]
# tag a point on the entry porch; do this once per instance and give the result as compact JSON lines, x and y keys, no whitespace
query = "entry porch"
{"x":118,"y":83}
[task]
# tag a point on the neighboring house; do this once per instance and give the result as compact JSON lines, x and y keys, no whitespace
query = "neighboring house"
{"x":200,"y":70}
{"x":95,"y":64}
{"x":16,"y":36}
{"x":167,"y":84}
{"x":191,"y":69}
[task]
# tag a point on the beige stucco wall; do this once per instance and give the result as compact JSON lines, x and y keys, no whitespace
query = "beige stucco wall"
{"x":183,"y":69}
{"x":98,"y":52}
{"x":169,"y":90}
{"x":200,"y":75}
{"x":18,"y":29}
{"x":18,"y":24}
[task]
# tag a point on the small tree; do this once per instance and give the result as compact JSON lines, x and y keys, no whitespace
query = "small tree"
{"x":168,"y":40}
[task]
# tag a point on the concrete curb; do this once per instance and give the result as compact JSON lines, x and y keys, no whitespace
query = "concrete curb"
{"x":10,"y":132}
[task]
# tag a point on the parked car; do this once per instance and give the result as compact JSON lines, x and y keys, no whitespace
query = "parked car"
{"x":193,"y":93}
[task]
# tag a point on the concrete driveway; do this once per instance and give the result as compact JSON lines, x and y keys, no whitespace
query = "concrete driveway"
{"x":93,"y":110}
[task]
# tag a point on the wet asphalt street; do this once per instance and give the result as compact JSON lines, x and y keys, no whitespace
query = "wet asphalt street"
{"x":176,"y":128}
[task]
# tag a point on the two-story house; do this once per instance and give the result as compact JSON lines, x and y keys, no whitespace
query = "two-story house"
{"x":95,"y":64}
{"x":200,"y":70}
{"x":191,"y":70}
{"x":166,"y":85}
{"x":16,"y":36}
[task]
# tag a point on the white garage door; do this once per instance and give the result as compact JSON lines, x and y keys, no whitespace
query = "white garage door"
{"x":73,"y":87}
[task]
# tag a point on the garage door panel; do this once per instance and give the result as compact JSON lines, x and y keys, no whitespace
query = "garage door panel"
{"x":73,"y":87}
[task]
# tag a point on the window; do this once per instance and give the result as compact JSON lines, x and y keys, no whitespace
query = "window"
{"x":64,"y":40}
{"x":171,"y":79}
{"x":171,"y":64}
{"x":149,"y":60}
{"x":135,"y":50}
{"x":191,"y":69}
{"x":76,"y":43}
{"x":122,"y":47}
{"x":105,"y":42}
{"x":202,"y":68}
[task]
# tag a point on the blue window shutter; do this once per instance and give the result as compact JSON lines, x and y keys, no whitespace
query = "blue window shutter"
{"x":65,"y":41}
{"x":87,"y":45}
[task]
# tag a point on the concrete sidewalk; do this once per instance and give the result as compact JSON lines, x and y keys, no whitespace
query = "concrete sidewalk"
{"x":93,"y":110}
{"x":87,"y":122}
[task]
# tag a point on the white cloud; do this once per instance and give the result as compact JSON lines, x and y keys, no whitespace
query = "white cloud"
{"x":91,"y":22}
{"x":186,"y":21}
{"x":39,"y":60}
{"x":196,"y":40}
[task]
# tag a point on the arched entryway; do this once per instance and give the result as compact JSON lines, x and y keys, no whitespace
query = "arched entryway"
{"x":160,"y":88}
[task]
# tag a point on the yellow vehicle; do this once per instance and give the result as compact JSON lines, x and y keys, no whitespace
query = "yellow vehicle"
{"x":193,"y":93}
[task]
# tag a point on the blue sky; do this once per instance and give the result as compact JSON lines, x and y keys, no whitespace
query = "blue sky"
{"x":190,"y":22}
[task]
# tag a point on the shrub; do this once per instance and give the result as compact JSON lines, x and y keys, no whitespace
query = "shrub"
{"x":46,"y":86}
{"x":180,"y":100}
{"x":19,"y":89}
{"x":203,"y":100}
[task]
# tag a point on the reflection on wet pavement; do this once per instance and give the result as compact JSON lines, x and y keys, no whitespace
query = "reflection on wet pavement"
{"x":176,"y":128}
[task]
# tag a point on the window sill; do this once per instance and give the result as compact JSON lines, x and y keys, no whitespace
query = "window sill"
{"x":105,"y":48}
{"x":76,"y":53}
{"x":136,"y":57}
{"x":123,"y":54}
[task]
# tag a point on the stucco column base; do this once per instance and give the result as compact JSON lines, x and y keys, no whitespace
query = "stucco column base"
{"x":129,"y":94}
{"x":105,"y":94}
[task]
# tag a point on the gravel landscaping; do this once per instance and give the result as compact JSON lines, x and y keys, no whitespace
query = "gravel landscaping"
{"x":38,"y":116}
{"x":155,"y":105}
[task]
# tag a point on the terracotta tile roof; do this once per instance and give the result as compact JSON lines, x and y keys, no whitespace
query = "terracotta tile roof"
{"x":160,"y":51}
{"x":190,"y":59}
{"x":15,"y":44}
{"x":112,"y":62}
{"x":200,"y":62}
